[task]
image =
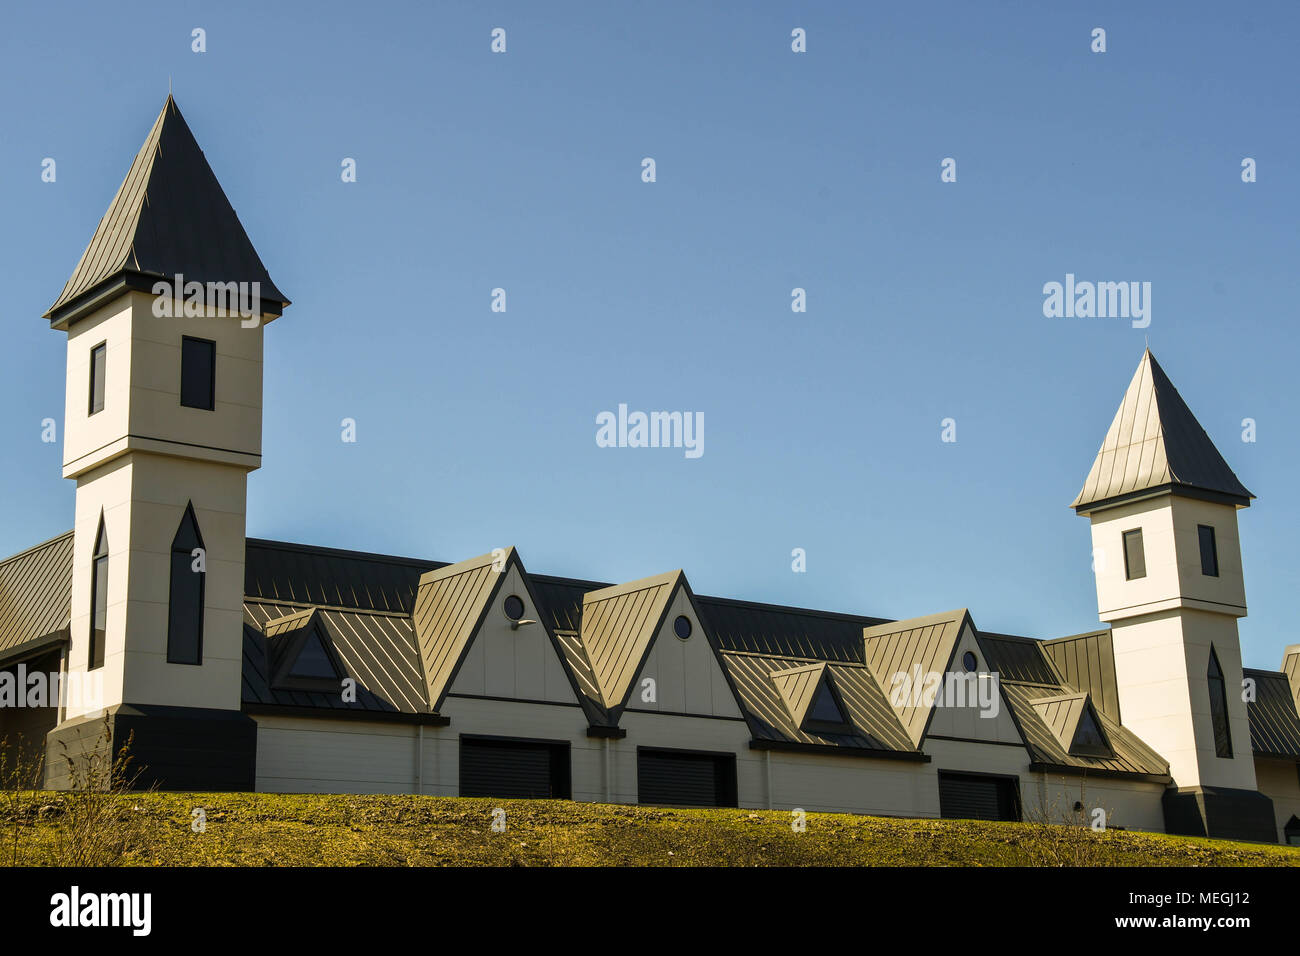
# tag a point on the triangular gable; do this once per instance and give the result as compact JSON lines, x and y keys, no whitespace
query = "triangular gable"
{"x":812,"y":698}
{"x":619,"y":624}
{"x":1073,"y":722}
{"x":450,"y":604}
{"x":798,"y":686}
{"x":683,"y":665}
{"x":902,"y":653}
{"x":1155,"y":442}
{"x":513,"y":653}
{"x":301,"y":654}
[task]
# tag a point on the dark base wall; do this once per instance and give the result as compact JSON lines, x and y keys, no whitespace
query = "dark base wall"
{"x":1220,"y":812}
{"x":173,"y":748}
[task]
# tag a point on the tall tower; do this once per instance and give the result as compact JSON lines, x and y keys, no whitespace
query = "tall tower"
{"x":164,"y":318}
{"x":1163,"y":505}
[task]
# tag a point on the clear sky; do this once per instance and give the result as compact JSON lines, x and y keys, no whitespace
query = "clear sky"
{"x":775,"y":170}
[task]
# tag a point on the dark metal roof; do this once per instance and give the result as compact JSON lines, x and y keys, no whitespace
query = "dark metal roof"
{"x":769,"y":717}
{"x":376,"y":650}
{"x":785,"y":631}
{"x":1274,"y":722}
{"x":170,"y":216}
{"x":305,"y":574}
{"x":35,"y":595}
{"x":1155,"y":443}
{"x":1087,"y":661}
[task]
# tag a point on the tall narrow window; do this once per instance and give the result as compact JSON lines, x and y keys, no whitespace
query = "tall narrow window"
{"x":198,"y":373}
{"x":1135,"y":559}
{"x":98,"y":598}
{"x":98,"y":366}
{"x":185,"y":607}
{"x":1209,"y":551}
{"x":1219,"y":707}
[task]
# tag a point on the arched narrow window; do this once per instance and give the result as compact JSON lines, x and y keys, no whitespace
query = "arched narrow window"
{"x":185,"y":606}
{"x":98,"y":598}
{"x":1219,"y":707}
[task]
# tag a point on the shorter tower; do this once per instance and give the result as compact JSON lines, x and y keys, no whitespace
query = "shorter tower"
{"x":1163,"y":505}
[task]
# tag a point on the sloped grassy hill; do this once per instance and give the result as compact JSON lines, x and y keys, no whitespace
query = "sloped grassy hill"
{"x":250,"y":829}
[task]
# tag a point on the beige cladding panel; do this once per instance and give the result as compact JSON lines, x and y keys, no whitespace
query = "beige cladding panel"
{"x":520,"y":663}
{"x":1116,"y":595}
{"x":84,"y":433}
{"x":143,"y":381}
{"x":967,"y":717}
{"x":1279,"y":780}
{"x":687,"y":678}
{"x":1228,"y":588}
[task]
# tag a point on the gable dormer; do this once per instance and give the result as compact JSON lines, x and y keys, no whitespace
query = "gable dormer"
{"x":812,"y":698}
{"x":301,"y":654}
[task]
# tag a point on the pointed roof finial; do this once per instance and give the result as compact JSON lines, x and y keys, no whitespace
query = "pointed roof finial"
{"x":1155,"y":445}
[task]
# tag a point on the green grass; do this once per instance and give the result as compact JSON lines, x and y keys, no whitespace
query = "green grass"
{"x":252,"y":829}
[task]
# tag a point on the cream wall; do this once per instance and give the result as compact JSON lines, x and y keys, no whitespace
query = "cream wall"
{"x":1279,"y":780}
{"x":969,"y":722}
{"x":686,"y":674}
{"x":521,"y":664}
{"x":142,"y":388}
{"x":139,"y":461}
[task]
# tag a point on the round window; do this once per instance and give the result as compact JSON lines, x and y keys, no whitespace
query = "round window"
{"x":969,"y":660}
{"x":514,"y":607}
{"x":682,"y":626}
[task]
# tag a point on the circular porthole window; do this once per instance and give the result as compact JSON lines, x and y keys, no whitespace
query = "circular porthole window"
{"x":682,"y":627}
{"x":968,"y":659}
{"x":514,"y":607}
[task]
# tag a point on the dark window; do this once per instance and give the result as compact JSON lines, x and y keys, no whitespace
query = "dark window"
{"x":1088,"y":738}
{"x":98,"y":366}
{"x":98,"y":598}
{"x":825,"y":709}
{"x":1292,"y":831}
{"x":826,"y":714}
{"x":514,"y":607}
{"x":185,"y":605}
{"x":313,"y":660}
{"x":198,"y":373}
{"x":1135,"y":559}
{"x":682,"y":626}
{"x":969,"y":661}
{"x":1209,"y":553}
{"x":1219,"y":707}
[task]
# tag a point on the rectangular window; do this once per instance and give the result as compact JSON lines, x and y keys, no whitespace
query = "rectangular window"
{"x":98,"y":366}
{"x":1135,"y":560}
{"x":198,"y":373}
{"x":1209,"y":553}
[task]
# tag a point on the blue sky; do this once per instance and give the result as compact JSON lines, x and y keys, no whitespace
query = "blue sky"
{"x":774,"y":170}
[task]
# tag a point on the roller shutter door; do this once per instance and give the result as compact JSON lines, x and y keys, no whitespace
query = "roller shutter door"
{"x":683,"y":779}
{"x":500,"y":767}
{"x":968,"y":796}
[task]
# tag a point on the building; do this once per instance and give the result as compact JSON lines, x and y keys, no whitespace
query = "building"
{"x":239,"y":664}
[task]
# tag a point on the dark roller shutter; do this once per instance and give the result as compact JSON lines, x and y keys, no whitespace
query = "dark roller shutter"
{"x":964,"y":796}
{"x":679,"y":779}
{"x":511,"y":768}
